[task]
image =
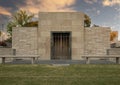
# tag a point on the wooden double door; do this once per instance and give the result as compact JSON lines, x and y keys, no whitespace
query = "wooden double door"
{"x":61,"y":46}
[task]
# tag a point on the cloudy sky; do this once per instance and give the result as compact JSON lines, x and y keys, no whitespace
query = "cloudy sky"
{"x":102,"y":12}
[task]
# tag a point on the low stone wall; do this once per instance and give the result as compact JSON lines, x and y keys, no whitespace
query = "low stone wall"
{"x":5,"y":51}
{"x":114,"y":51}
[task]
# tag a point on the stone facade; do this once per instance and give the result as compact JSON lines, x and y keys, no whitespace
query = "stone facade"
{"x":25,"y":40}
{"x":70,"y":21}
{"x":97,"y":40}
{"x":29,"y":40}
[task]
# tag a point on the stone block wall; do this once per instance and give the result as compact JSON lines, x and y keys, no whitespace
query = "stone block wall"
{"x":6,"y":51}
{"x":61,"y":21}
{"x":97,"y":40}
{"x":114,"y":51}
{"x":25,"y":40}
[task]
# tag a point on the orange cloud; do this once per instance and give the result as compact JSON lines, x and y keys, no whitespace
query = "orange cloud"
{"x":111,"y":2}
{"x":48,"y":5}
{"x":4,"y":11}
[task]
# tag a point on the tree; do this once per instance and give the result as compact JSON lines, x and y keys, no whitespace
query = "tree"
{"x":19,"y":19}
{"x":113,"y":35}
{"x":0,"y":33}
{"x":87,"y":21}
{"x":10,"y":25}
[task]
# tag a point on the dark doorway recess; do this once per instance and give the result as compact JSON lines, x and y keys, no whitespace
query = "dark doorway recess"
{"x":61,"y":45}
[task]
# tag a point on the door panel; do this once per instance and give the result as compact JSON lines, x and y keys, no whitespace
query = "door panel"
{"x":60,"y":46}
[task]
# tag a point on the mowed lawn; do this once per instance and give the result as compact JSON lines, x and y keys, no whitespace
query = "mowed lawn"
{"x":59,"y":75}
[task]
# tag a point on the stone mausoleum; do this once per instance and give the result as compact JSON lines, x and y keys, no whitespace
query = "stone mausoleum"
{"x":61,"y":36}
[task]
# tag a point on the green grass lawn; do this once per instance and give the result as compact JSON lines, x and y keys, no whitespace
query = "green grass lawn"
{"x":59,"y":75}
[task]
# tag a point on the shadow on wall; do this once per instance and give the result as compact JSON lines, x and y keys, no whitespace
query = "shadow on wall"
{"x":115,"y":45}
{"x":6,"y":44}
